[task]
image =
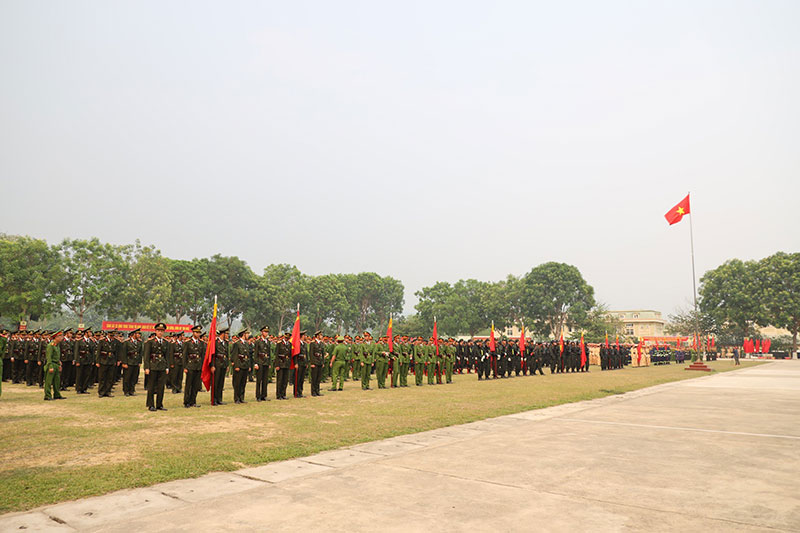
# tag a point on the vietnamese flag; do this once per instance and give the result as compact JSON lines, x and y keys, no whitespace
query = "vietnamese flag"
{"x":765,"y":345}
{"x":492,"y":345}
{"x":583,"y":352}
{"x":639,"y":354}
{"x":713,"y":343}
{"x":522,"y":342}
{"x":561,"y":343}
{"x":606,"y":339}
{"x":389,"y":334}
{"x":435,"y":336}
{"x":758,"y":345}
{"x":675,"y":214}
{"x":205,"y":373}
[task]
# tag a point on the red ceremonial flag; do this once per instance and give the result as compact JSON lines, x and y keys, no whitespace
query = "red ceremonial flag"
{"x":758,"y":345}
{"x":561,"y":343}
{"x":679,"y":343}
{"x":295,"y":337}
{"x":606,"y":339}
{"x":435,"y":336}
{"x":676,"y":213}
{"x":492,"y":345}
{"x":765,"y":345}
{"x":713,"y":343}
{"x":583,"y":352}
{"x":616,"y":340}
{"x":205,"y":373}
{"x":389,"y":334}
{"x":522,"y":342}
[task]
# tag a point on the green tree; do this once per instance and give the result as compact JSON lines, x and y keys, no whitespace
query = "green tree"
{"x":555,"y":295}
{"x":148,"y":288}
{"x":323,"y":299}
{"x":778,"y":277}
{"x":729,"y":296}
{"x":284,"y":284}
{"x":191,"y":292}
{"x":230,"y":279}
{"x":29,"y":273}
{"x":93,"y":275}
{"x":597,"y":323}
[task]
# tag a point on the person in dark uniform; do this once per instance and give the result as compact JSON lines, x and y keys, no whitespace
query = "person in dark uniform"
{"x":261,"y":363}
{"x":83,"y":361}
{"x":67,"y":355}
{"x":283,"y":358}
{"x":105,"y":359}
{"x":192,"y":353}
{"x":131,"y":357}
{"x":176,"y":370}
{"x":316,"y":360}
{"x":220,"y":366}
{"x":240,"y":360}
{"x":156,"y":365}
{"x":300,"y":366}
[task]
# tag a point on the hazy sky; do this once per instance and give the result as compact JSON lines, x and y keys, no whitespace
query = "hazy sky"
{"x":423,"y":140}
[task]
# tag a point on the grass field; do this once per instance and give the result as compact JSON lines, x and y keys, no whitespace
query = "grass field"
{"x":83,"y":446}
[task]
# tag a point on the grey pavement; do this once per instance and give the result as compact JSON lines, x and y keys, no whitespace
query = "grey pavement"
{"x":716,"y":453}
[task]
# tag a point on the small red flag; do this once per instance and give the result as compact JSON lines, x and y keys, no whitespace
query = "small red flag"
{"x":435,"y":336}
{"x":616,"y":340}
{"x":765,"y":345}
{"x":606,"y":339}
{"x":679,"y":343}
{"x":639,"y":353}
{"x":758,"y":345}
{"x":675,"y":214}
{"x":522,"y":342}
{"x":492,"y":345}
{"x":295,"y":337}
{"x":389,"y":334}
{"x":583,"y":352}
{"x":205,"y":373}
{"x":561,"y":343}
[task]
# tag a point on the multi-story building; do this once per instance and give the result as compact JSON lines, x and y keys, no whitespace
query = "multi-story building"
{"x":640,"y":323}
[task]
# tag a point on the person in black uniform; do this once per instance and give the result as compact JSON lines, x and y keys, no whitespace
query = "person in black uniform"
{"x":261,"y":364}
{"x":240,"y":360}
{"x":283,"y":358}
{"x":316,"y":360}
{"x":131,"y":357}
{"x":193,"y":352}
{"x":156,"y":365}
{"x":105,"y":357}
{"x":300,"y":366}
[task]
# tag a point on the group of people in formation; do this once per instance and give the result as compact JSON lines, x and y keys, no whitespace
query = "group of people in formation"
{"x":83,"y":358}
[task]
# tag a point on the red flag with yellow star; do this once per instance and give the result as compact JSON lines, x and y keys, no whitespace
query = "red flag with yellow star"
{"x":675,"y":214}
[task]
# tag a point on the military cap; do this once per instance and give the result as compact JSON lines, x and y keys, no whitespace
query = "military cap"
{"x":245,"y":330}
{"x":265,"y":328}
{"x":316,"y":333}
{"x":65,"y":331}
{"x":303,"y":332}
{"x":160,"y":327}
{"x":137,"y":330}
{"x":197,"y":329}
{"x":223,"y":331}
{"x":339,"y":337}
{"x":287,"y":334}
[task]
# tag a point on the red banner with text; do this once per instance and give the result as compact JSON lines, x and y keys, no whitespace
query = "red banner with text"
{"x":144,"y":326}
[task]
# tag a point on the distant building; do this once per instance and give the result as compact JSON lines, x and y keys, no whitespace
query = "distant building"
{"x":639,"y":323}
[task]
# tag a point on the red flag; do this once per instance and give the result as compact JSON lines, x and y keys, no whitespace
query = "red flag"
{"x":713,"y":343}
{"x":679,"y":343}
{"x":295,"y":337}
{"x":492,"y":345}
{"x":389,"y":334}
{"x":606,"y":339}
{"x":657,"y":346}
{"x":561,"y":343}
{"x":675,"y":214}
{"x":522,"y":342}
{"x":435,"y":337}
{"x":616,"y":340}
{"x":765,"y":345}
{"x":758,"y":345}
{"x":583,"y":352}
{"x":639,"y":354}
{"x":205,"y":373}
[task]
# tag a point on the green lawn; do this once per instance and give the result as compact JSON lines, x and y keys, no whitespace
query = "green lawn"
{"x":84,"y":446}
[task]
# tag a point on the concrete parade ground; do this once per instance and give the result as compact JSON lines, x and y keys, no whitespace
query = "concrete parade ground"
{"x":716,"y":453}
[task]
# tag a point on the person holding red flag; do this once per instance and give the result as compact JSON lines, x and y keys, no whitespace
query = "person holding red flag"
{"x":584,"y":359}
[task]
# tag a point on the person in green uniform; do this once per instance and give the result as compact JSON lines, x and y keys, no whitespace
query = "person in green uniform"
{"x":156,"y":366}
{"x":394,"y":356}
{"x":420,"y":361}
{"x":404,"y":358}
{"x":339,"y":362}
{"x":381,"y":351}
{"x":449,"y":360}
{"x":3,"y":349}
{"x":192,"y":353}
{"x":52,"y":368}
{"x":366,"y":358}
{"x":430,"y":351}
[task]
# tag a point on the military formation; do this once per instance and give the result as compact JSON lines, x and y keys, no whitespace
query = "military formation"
{"x":83,"y":359}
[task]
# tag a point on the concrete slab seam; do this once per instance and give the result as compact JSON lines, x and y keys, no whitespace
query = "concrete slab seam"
{"x":679,"y":428}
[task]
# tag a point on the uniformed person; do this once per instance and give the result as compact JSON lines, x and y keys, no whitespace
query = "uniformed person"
{"x":219,"y":367}
{"x":156,"y":365}
{"x":381,"y":353}
{"x":300,"y":366}
{"x":176,"y":370}
{"x":83,"y":356}
{"x":67,"y":369}
{"x":283,"y":361}
{"x":105,"y":359}
{"x":339,"y":363}
{"x":316,"y":360}
{"x":240,"y":360}
{"x":52,"y":368}
{"x":262,"y":355}
{"x":193,"y":352}
{"x":131,"y":357}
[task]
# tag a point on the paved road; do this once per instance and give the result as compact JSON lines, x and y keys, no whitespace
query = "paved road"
{"x":719,"y":453}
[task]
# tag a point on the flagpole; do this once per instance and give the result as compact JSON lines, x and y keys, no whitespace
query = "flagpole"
{"x":694,"y":282}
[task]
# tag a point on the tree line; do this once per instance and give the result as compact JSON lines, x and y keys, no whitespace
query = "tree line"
{"x":738,"y":297}
{"x":91,"y":280}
